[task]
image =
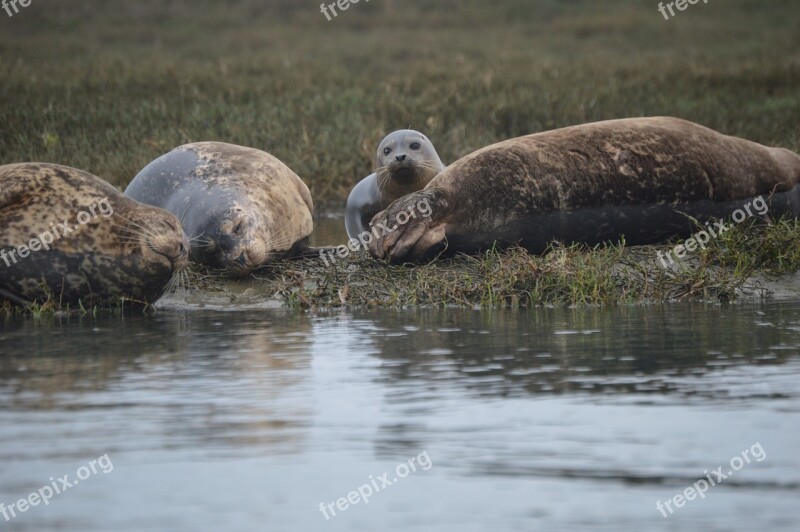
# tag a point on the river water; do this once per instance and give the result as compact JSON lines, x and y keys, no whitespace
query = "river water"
{"x":546,"y":419}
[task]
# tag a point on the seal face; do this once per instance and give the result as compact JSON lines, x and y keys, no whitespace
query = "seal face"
{"x":241,"y":207}
{"x":68,"y":237}
{"x":406,"y":162}
{"x":634,"y":178}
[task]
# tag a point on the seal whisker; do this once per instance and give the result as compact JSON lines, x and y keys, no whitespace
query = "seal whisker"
{"x":135,"y":229}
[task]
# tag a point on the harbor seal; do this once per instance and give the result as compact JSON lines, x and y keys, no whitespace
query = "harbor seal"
{"x":406,"y":162}
{"x":241,"y":207}
{"x":68,"y":237}
{"x":640,"y":179}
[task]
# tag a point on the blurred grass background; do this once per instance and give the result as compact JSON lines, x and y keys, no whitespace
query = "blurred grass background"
{"x":109,"y":85}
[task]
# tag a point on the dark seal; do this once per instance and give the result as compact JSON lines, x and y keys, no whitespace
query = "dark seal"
{"x":640,"y":179}
{"x":241,"y":207}
{"x":406,"y":162}
{"x":70,"y":238}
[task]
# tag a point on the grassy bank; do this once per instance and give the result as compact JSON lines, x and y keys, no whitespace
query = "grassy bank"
{"x":107,"y":86}
{"x":725,"y":271}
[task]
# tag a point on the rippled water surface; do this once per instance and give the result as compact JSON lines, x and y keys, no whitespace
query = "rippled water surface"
{"x":550,"y":419}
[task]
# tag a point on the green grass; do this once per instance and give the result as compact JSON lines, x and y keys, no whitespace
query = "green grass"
{"x":566,"y":275}
{"x":107,"y":86}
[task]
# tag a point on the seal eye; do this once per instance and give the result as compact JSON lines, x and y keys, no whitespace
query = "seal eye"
{"x":387,"y":151}
{"x":415,"y":145}
{"x":238,"y":228}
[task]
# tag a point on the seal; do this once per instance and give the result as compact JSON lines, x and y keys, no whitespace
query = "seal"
{"x":406,"y":162}
{"x":241,"y":207}
{"x":70,"y":238}
{"x":640,"y":179}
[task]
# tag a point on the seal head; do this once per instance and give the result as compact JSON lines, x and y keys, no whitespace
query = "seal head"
{"x":241,"y":207}
{"x":406,"y":162}
{"x":69,"y":237}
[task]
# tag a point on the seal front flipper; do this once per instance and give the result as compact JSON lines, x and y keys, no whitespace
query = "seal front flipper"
{"x":413,"y":227}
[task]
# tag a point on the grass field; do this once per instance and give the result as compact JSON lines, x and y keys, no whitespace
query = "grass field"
{"x":109,"y":85}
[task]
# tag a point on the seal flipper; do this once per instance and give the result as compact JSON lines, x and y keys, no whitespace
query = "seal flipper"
{"x":420,"y":234}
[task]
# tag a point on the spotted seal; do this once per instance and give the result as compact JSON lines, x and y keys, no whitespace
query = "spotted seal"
{"x":642,"y":179}
{"x":68,"y":237}
{"x":406,"y":162}
{"x":240,"y":206}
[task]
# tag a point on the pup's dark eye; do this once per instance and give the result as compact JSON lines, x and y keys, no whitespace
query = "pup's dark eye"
{"x":415,"y":145}
{"x":238,"y":228}
{"x":387,"y":151}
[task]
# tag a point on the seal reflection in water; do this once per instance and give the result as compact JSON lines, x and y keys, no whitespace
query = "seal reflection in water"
{"x":241,"y":207}
{"x":406,"y":162}
{"x":67,"y":236}
{"x":639,"y":179}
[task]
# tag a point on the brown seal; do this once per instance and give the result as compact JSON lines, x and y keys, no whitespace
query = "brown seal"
{"x":68,"y":237}
{"x":241,"y":207}
{"x":640,"y":179}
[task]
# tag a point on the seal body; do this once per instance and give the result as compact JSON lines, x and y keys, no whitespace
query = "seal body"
{"x":406,"y":162}
{"x":640,"y":179}
{"x":241,"y":207}
{"x":67,"y":236}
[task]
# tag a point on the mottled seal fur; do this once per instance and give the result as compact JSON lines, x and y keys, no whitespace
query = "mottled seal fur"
{"x":241,"y":207}
{"x":125,"y":250}
{"x":406,"y":162}
{"x":639,"y":179}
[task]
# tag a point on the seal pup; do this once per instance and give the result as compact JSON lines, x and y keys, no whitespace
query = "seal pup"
{"x":68,"y":237}
{"x":641,"y":179}
{"x":406,"y":162}
{"x":241,"y":207}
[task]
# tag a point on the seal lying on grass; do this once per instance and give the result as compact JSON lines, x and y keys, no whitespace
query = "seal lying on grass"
{"x":69,"y":237}
{"x":241,"y":207}
{"x":406,"y":162}
{"x":640,"y":179}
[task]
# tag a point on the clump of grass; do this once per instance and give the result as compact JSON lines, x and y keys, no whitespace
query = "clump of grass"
{"x":749,"y":247}
{"x":565,"y":275}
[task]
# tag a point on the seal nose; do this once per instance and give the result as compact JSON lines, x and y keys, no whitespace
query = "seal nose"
{"x":400,"y":158}
{"x":242,"y":260}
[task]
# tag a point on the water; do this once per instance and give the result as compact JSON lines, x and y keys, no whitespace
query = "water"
{"x":550,"y":419}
